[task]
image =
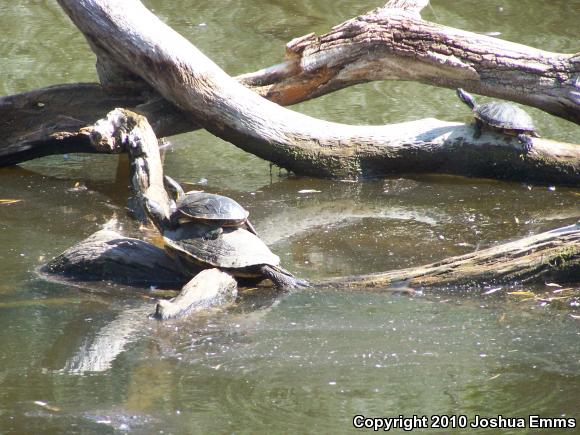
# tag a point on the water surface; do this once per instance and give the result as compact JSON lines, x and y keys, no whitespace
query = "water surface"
{"x":87,"y":359}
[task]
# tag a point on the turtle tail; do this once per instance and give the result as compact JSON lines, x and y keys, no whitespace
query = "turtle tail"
{"x":466,"y":98}
{"x":283,"y":279}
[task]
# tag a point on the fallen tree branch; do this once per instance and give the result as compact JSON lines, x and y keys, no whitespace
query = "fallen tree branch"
{"x":393,"y":44}
{"x":552,"y":255}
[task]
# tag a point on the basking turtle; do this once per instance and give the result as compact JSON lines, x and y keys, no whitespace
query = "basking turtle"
{"x":235,"y":250}
{"x":505,"y":117}
{"x":215,"y":210}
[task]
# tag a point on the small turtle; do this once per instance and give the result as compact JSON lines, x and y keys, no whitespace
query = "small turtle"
{"x":235,"y":250}
{"x":505,"y":117}
{"x":216,"y":210}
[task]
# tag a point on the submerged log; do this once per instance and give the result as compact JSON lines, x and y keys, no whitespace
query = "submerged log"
{"x":107,"y":255}
{"x":552,"y":255}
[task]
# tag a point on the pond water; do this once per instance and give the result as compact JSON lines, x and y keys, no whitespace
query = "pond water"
{"x":88,"y":360}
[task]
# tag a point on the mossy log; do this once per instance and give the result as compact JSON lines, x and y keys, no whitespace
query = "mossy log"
{"x":552,"y":255}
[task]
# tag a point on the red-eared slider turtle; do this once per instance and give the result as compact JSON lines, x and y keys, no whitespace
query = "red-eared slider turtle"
{"x":505,"y":117}
{"x":234,"y":250}
{"x":215,"y":210}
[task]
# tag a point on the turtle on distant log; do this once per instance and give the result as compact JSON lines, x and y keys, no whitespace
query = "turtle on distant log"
{"x":503,"y":117}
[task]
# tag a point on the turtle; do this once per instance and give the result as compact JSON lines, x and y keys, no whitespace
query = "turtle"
{"x":220,"y":211}
{"x":505,"y":117}
{"x":236,"y":250}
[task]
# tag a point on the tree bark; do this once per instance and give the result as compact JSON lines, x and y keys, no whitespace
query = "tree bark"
{"x":393,"y":44}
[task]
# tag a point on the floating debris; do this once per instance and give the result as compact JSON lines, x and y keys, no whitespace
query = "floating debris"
{"x":78,"y":187}
{"x":309,"y":191}
{"x":46,"y":406}
{"x":492,"y":291}
{"x":9,"y":201}
{"x":552,"y":284}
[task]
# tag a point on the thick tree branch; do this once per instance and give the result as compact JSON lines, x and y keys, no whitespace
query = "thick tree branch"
{"x":390,"y":44}
{"x":362,"y":151}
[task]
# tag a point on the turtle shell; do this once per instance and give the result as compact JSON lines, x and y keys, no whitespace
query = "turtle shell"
{"x":234,"y":248}
{"x":504,"y":116}
{"x":210,"y":207}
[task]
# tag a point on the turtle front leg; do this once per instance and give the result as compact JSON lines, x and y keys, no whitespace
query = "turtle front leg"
{"x":213,"y":233}
{"x":283,"y":279}
{"x":526,"y":142}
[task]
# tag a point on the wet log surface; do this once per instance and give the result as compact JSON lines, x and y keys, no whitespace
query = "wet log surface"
{"x":109,"y":256}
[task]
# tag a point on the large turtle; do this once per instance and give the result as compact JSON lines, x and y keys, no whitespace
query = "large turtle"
{"x":505,"y":117}
{"x":234,"y":250}
{"x":215,"y":210}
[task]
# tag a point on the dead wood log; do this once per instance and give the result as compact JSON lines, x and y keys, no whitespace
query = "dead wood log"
{"x":207,"y":289}
{"x":420,"y":146}
{"x":550,"y":255}
{"x":135,"y":39}
{"x":54,"y":120}
{"x":394,"y":43}
{"x":109,"y":256}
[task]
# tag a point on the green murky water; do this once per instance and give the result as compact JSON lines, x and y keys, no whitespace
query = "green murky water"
{"x":89,"y":360}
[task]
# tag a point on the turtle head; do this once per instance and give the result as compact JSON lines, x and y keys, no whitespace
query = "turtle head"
{"x":466,"y":98}
{"x":174,"y":188}
{"x":156,"y":213}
